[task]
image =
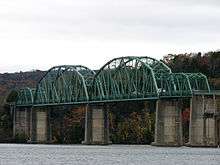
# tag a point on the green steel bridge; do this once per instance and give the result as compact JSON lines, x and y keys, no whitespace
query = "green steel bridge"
{"x":121,"y":79}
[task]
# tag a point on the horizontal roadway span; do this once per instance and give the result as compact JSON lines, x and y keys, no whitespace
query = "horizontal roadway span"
{"x":103,"y":101}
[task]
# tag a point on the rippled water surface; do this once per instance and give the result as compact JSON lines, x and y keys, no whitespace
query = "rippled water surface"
{"x":20,"y":154}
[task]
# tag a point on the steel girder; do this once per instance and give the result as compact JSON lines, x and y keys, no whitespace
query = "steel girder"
{"x":64,"y":84}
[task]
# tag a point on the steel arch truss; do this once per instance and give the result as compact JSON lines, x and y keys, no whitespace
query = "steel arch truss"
{"x":64,"y":84}
{"x":198,"y":82}
{"x":173,"y":85}
{"x":157,"y":66}
{"x":25,"y":97}
{"x":143,"y":77}
{"x":124,"y":78}
{"x":181,"y":84}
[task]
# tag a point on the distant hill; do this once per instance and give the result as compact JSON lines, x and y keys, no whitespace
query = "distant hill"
{"x":9,"y":81}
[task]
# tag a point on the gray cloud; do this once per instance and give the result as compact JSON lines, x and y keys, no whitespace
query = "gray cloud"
{"x":189,"y":23}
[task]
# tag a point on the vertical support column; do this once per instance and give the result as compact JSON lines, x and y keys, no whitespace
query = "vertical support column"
{"x":168,"y":126}
{"x":27,"y":121}
{"x":88,"y":126}
{"x":41,"y":127}
{"x":203,"y":121}
{"x":33,"y":126}
{"x":21,"y":123}
{"x":218,"y":132}
{"x":197,"y":122}
{"x":97,"y":125}
{"x":210,"y":125}
{"x":217,"y":115}
{"x":49,"y":127}
{"x":14,"y":120}
{"x":158,"y":138}
{"x":106,"y":125}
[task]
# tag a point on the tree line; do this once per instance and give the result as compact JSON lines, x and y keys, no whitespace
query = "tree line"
{"x":207,"y":63}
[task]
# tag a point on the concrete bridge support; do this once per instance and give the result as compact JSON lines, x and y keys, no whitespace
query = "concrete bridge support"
{"x":21,"y":123}
{"x":205,"y":121}
{"x":41,"y":127}
{"x":168,"y":126}
{"x":97,"y":125}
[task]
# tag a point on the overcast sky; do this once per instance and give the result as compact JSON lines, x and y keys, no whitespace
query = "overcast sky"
{"x":37,"y":34}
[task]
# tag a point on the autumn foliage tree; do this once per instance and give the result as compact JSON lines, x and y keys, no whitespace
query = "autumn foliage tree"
{"x":208,"y":64}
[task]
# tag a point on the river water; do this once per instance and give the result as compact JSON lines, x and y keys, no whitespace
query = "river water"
{"x":21,"y":154}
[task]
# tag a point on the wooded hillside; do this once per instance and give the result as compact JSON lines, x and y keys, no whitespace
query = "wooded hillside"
{"x":208,"y":64}
{"x":10,"y":81}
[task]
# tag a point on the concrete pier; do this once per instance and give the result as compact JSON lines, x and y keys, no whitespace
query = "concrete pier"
{"x":21,"y":123}
{"x":41,"y":127}
{"x":97,"y":125}
{"x":204,"y":121}
{"x":168,"y":126}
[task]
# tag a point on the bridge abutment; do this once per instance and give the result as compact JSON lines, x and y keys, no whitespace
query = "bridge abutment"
{"x":168,"y":126}
{"x":41,"y":126}
{"x":204,"y":121}
{"x":97,"y":125}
